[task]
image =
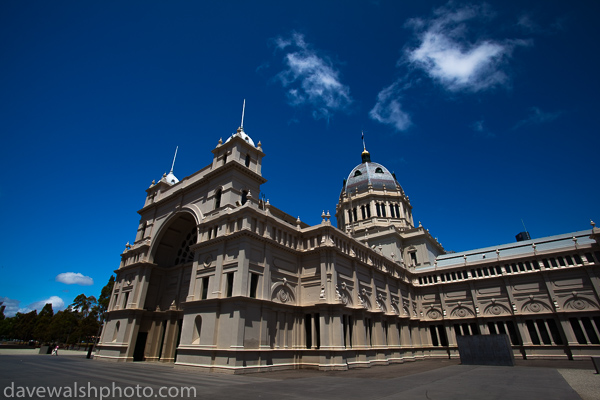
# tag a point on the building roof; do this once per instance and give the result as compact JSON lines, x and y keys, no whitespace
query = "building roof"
{"x":513,"y":250}
{"x":369,"y":174}
{"x":240,"y":132}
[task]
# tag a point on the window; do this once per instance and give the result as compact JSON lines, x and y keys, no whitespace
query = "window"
{"x":357,"y":173}
{"x":197,"y":330}
{"x":224,"y":158}
{"x":378,"y":209}
{"x":363,"y":213}
{"x":369,"y":331}
{"x":218,"y":199}
{"x":204,"y":288}
{"x":397,"y":211}
{"x":347,"y":330}
{"x":247,"y":160}
{"x":378,"y":170}
{"x":383,"y":210}
{"x":438,"y":335}
{"x":116,"y":332}
{"x":349,"y":216}
{"x":253,"y":285}
{"x":230,"y":284}
{"x":354,"y":213}
{"x":125,"y":299}
{"x":308,"y":330}
{"x":244,"y":196}
{"x":413,"y":257}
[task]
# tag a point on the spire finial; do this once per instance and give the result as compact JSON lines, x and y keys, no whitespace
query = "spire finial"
{"x":366,"y":157}
{"x":243,"y":109}
{"x":174,"y":157}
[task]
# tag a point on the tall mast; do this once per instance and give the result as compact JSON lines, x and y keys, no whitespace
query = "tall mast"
{"x":174,"y":157}
{"x":243,"y":109}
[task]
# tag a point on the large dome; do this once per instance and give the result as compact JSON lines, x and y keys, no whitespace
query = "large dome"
{"x":370,"y":173}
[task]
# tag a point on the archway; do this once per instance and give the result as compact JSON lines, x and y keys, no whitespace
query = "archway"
{"x":168,"y":286}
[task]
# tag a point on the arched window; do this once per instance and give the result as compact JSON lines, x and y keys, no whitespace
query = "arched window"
{"x":218,"y":199}
{"x":224,"y":158}
{"x":247,"y":160}
{"x":184,"y":255}
{"x":378,"y":170}
{"x":357,"y":173}
{"x":197,"y":330}
{"x":244,"y":196}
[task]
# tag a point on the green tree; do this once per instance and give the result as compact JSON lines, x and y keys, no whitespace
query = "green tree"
{"x":41,"y":331}
{"x":24,"y":325}
{"x":63,"y":325}
{"x":104,"y":299}
{"x":6,"y":328}
{"x":84,"y":304}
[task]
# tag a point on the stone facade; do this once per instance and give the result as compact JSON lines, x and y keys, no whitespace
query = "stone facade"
{"x":221,"y":280}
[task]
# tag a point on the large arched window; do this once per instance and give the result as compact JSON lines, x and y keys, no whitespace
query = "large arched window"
{"x":184,"y":254}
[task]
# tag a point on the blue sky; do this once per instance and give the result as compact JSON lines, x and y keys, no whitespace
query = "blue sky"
{"x":486,"y":112}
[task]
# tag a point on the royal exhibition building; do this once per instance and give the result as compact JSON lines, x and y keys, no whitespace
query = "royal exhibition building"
{"x":221,"y":280}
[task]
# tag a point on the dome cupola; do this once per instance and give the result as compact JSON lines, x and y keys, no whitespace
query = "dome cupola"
{"x":370,"y":175}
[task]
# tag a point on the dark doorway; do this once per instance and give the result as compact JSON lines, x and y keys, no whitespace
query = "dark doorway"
{"x":140,"y":346}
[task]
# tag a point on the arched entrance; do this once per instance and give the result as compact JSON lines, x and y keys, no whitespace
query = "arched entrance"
{"x":168,"y":286}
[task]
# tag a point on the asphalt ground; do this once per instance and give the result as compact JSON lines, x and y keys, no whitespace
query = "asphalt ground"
{"x":22,"y":373}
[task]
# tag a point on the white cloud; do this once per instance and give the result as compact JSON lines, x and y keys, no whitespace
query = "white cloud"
{"x":57,"y":304}
{"x":12,"y":305}
{"x":537,"y":116}
{"x":388,"y":109}
{"x":311,"y":79}
{"x":450,"y":58}
{"x":72,"y":278}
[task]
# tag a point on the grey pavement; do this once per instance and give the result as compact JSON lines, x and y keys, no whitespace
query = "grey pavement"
{"x":429,"y":379}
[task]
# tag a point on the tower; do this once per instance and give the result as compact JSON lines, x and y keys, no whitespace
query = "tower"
{"x":374,"y":209}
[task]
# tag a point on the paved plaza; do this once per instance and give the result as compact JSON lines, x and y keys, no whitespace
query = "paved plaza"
{"x":429,"y":379}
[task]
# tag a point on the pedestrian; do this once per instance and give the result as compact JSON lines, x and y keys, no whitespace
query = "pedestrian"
{"x":55,"y":351}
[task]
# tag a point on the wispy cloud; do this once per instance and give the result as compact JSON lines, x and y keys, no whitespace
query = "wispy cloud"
{"x":481,"y":130}
{"x":74,"y":278}
{"x":311,"y":78}
{"x":447,"y":55}
{"x":536,"y":117}
{"x":388,"y":109}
